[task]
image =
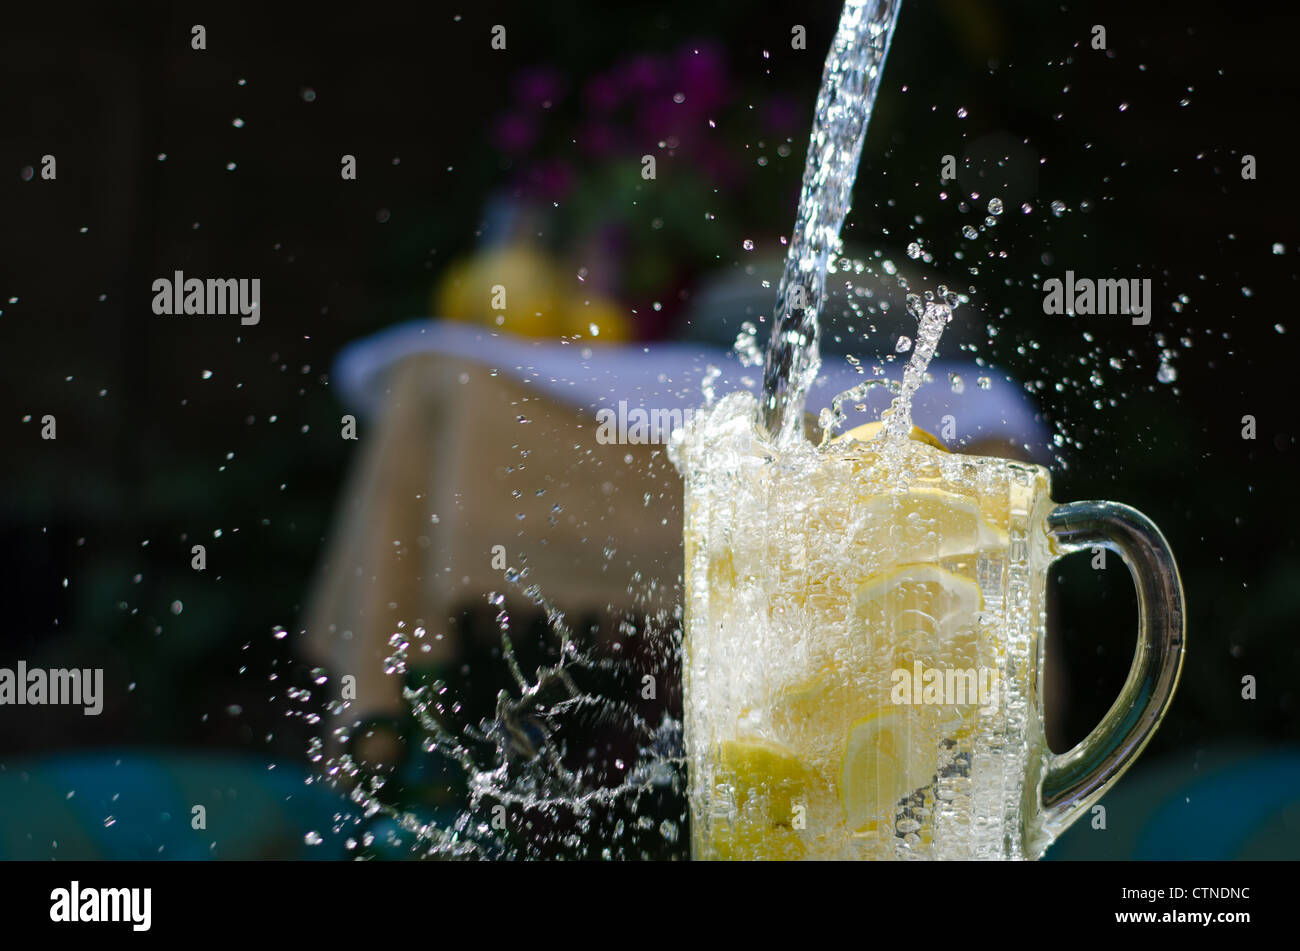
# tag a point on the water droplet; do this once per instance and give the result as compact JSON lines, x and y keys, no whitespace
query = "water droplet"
{"x":995,"y":206}
{"x":748,"y":244}
{"x":1058,"y":208}
{"x":904,"y":344}
{"x":914,"y":250}
{"x":1166,"y":373}
{"x":969,"y":232}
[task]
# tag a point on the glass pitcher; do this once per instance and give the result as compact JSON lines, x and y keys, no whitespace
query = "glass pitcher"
{"x":863,"y":653}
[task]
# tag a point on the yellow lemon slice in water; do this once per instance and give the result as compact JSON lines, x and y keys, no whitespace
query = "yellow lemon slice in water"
{"x":869,"y":431}
{"x":766,"y":783}
{"x":888,"y":754}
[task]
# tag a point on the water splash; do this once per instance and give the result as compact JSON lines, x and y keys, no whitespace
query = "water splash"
{"x":933,"y":318}
{"x":527,"y":780}
{"x":850,"y":81}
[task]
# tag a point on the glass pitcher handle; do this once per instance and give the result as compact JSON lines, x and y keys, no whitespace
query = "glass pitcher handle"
{"x":1073,"y":781}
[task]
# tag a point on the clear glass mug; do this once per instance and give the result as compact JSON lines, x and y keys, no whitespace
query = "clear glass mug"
{"x":863,"y":655}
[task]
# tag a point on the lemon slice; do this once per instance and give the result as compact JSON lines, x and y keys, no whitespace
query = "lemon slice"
{"x":919,"y":595}
{"x":869,"y":431}
{"x":927,"y":522}
{"x":766,"y":782}
{"x":921,"y":612}
{"x":963,"y":525}
{"x":887,"y":755}
{"x":760,"y":770}
{"x":917,"y":612}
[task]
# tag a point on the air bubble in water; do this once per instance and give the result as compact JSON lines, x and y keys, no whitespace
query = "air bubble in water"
{"x":747,"y":347}
{"x":706,"y":385}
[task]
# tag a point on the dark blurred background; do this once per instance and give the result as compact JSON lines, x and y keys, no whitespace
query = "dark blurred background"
{"x":181,"y":431}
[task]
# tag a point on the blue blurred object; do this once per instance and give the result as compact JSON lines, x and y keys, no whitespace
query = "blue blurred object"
{"x":1212,"y":805}
{"x":135,"y":805}
{"x":668,"y":374}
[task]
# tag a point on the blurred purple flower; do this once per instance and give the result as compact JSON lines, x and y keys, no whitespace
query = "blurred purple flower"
{"x":662,"y":118}
{"x":538,"y":85}
{"x":701,"y":74}
{"x":720,"y":166}
{"x":599,"y":139}
{"x":550,"y":181}
{"x":602,"y":93}
{"x":514,"y":133}
{"x":641,"y":74}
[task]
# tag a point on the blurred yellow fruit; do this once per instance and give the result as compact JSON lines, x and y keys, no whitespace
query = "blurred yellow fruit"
{"x":528,"y":280}
{"x":535,"y":289}
{"x":584,"y":312}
